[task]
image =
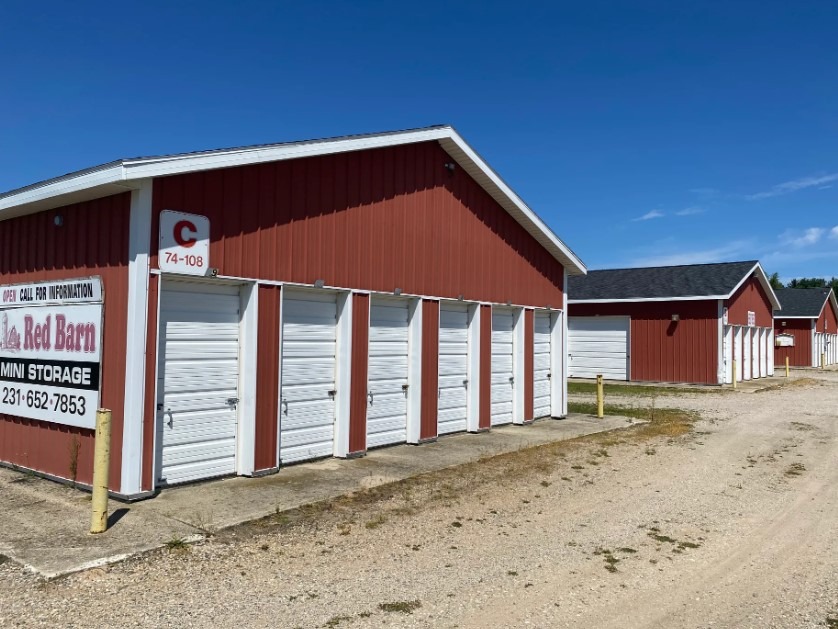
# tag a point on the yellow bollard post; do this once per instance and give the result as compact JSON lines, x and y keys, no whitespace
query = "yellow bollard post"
{"x":101,"y":463}
{"x":600,"y":401}
{"x":734,"y":373}
{"x":823,"y":360}
{"x":787,"y":366}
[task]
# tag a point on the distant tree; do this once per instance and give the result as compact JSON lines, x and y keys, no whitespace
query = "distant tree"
{"x":811,"y":282}
{"x":774,"y":280}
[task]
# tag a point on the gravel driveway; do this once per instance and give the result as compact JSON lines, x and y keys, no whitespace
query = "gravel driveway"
{"x":732,"y":525}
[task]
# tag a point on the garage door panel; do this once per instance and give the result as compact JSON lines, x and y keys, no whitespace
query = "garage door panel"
{"x":387,"y":373}
{"x":542,"y":364}
{"x":198,"y":372}
{"x":598,"y":345}
{"x":453,"y":369}
{"x":309,"y":335}
{"x":502,"y":390}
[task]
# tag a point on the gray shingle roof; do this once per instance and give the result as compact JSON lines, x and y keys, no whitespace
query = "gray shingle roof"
{"x":801,"y":302}
{"x":692,"y":280}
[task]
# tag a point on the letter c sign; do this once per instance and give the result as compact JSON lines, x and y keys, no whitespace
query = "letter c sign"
{"x":184,"y":243}
{"x":180,"y":228}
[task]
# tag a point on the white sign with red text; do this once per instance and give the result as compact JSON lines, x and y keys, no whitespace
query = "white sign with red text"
{"x":50,"y":358}
{"x":184,"y":243}
{"x":73,"y":291}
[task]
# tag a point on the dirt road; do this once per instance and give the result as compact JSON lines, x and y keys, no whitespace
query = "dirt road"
{"x":732,"y":525}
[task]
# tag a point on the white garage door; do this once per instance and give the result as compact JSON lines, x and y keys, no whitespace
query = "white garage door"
{"x":728,"y":354}
{"x":502,"y":367}
{"x":598,"y":345}
{"x":747,"y":345}
{"x":307,"y":405}
{"x":541,"y":364}
{"x":453,"y":368}
{"x":763,"y":352}
{"x":387,"y":375}
{"x":738,"y":343}
{"x":198,"y":380}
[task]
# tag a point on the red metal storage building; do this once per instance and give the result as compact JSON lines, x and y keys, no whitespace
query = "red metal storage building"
{"x":806,"y":329}
{"x":672,"y":324}
{"x":246,"y":308}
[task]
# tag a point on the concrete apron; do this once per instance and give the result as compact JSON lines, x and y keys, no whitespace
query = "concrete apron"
{"x":45,"y":526}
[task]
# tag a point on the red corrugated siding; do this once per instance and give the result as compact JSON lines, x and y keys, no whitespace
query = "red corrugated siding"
{"x":92,"y":241}
{"x":529,"y":358}
{"x":827,"y":321}
{"x":430,"y":369}
{"x":150,"y":405}
{"x":750,"y":296}
{"x":800,"y":355}
{"x":267,"y":378}
{"x":360,"y":362}
{"x":662,"y":350}
{"x":485,"y":367}
{"x":377,"y":220}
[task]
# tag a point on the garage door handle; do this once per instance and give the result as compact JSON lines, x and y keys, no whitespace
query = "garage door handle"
{"x":370,"y":397}
{"x":512,"y":380}
{"x":284,"y":407}
{"x":171,"y":421}
{"x":549,"y":375}
{"x":465,"y":383}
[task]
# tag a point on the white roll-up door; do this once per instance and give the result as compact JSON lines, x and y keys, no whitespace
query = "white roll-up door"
{"x":542,"y":373}
{"x":763,"y":353}
{"x":503,"y":381}
{"x":747,"y":345}
{"x":198,"y":381}
{"x":598,"y":345}
{"x":387,"y":373}
{"x":728,"y":354}
{"x":453,"y":368}
{"x":737,"y":349}
{"x":307,"y":400}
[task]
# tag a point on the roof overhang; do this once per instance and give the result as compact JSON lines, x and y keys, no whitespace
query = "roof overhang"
{"x":763,"y":279}
{"x":126,"y":174}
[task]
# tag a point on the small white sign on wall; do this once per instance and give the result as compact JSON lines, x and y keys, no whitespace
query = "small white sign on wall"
{"x":184,"y":243}
{"x":752,"y":318}
{"x":784,"y":340}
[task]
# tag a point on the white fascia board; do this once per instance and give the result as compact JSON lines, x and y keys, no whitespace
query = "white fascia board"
{"x":795,"y":317}
{"x":179,"y":164}
{"x":648,"y":299}
{"x":519,"y":210}
{"x":763,"y":279}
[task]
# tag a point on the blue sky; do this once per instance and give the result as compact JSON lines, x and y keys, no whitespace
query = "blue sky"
{"x":642,"y":132}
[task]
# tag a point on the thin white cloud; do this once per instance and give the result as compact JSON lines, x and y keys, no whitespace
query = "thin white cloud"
{"x":649,"y":216}
{"x":833,"y":233}
{"x":737,"y":249}
{"x":794,"y":185}
{"x":690,"y":211}
{"x":805,"y":238}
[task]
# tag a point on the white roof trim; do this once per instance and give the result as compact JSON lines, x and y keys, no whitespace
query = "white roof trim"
{"x":763,"y":279}
{"x":99,"y":182}
{"x":779,"y":316}
{"x":646,"y":299}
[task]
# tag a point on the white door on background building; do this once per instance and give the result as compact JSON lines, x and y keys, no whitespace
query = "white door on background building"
{"x":197,"y":381}
{"x":763,"y":352}
{"x":598,"y":345}
{"x":387,"y":373}
{"x":503,"y":380}
{"x":771,"y":358}
{"x":727,"y":352}
{"x":747,"y":346}
{"x":453,"y":368}
{"x":738,"y":342}
{"x":307,"y":398}
{"x":542,"y":357}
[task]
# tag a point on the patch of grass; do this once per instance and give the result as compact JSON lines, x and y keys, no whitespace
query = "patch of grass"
{"x":404,"y":607}
{"x":661,"y":422}
{"x":832,"y":622}
{"x":802,"y":426}
{"x":683,"y":545}
{"x":651,"y":451}
{"x":638,"y":390}
{"x":3,"y":559}
{"x":577,"y":467}
{"x":511,"y":573}
{"x":662,"y":538}
{"x":799,"y":382}
{"x":177,"y":544}
{"x":627,"y":550}
{"x":334,"y":621}
{"x":567,"y":479}
{"x":545,"y":483}
{"x":376,"y":521}
{"x":795,"y":469}
{"x":456,"y":524}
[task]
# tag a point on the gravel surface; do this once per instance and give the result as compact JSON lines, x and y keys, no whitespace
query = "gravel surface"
{"x":732,"y":525}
